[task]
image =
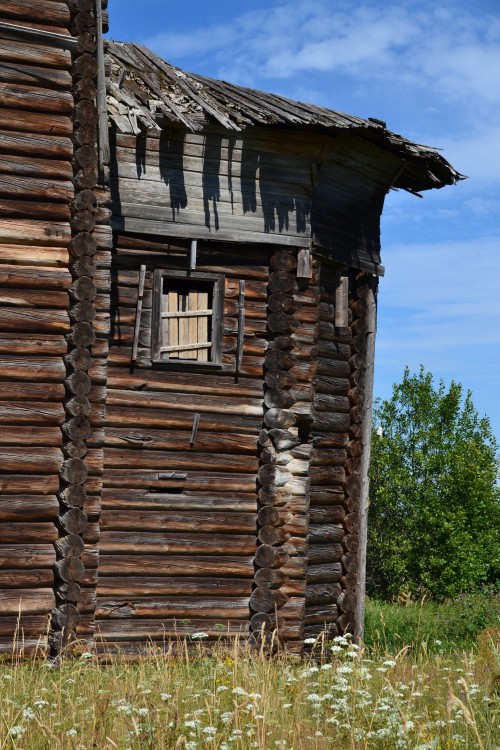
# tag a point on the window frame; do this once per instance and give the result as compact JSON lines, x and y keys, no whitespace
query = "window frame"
{"x":217,"y":318}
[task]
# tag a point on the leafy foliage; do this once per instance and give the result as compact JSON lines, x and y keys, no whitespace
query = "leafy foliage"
{"x":434,"y":518}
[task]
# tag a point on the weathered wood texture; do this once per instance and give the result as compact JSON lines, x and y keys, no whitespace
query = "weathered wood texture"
{"x":86,"y":356}
{"x":179,"y":504}
{"x":285,"y":457}
{"x":36,"y":192}
{"x":333,"y":502}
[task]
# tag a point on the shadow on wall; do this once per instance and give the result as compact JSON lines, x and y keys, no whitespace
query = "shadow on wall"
{"x":236,"y":180}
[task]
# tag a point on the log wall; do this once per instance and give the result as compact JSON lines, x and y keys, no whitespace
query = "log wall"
{"x":178,"y":526}
{"x":46,"y":191}
{"x":252,"y":188}
{"x":35,"y":194}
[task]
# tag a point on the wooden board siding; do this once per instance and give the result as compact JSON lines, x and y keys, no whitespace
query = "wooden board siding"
{"x":179,"y":509}
{"x":350,"y":188}
{"x":247,"y":188}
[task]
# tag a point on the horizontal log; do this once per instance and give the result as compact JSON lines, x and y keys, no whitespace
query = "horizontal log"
{"x":13,"y":533}
{"x":19,"y":391}
{"x":27,"y":460}
{"x":32,"y":436}
{"x":323,"y":613}
{"x":173,"y":565}
{"x":333,"y":368}
{"x":156,"y":586}
{"x":324,"y":533}
{"x":18,"y":120}
{"x":37,"y":321}
{"x":19,"y":628}
{"x":323,"y":593}
{"x":325,"y":553}
{"x":34,"y":278}
{"x":162,"y":543}
{"x":328,"y":403}
{"x":26,"y":601}
{"x":24,"y":96}
{"x":181,"y":402}
{"x":329,"y":514}
{"x":327,"y":572}
{"x":330,"y":422}
{"x":29,"y":579}
{"x":327,"y":475}
{"x":16,"y":484}
{"x":122,"y":500}
{"x":28,"y":508}
{"x":145,"y":418}
{"x":141,"y":631}
{"x":206,"y":442}
{"x":234,"y":608}
{"x":332,"y":386}
{"x":26,"y":556}
{"x":32,"y":369}
{"x":178,"y":460}
{"x":192,"y":482}
{"x":187,"y":521}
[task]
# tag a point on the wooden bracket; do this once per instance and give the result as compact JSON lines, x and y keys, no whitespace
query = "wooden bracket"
{"x":241,"y":326}
{"x":304,"y":264}
{"x":194,"y":432}
{"x":192,"y":255}
{"x":140,"y":295}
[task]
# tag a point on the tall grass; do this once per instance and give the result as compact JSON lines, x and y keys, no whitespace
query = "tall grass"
{"x":453,"y":624}
{"x":239,"y":699}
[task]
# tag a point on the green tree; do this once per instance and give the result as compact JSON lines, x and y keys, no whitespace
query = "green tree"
{"x":434,"y":515}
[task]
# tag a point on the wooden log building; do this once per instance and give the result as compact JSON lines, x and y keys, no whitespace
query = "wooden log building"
{"x":188,"y":281}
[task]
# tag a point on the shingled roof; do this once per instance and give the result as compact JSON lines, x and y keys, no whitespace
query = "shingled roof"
{"x":144,"y":91}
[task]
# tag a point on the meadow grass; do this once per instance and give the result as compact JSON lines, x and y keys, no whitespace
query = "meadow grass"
{"x":237,"y":698}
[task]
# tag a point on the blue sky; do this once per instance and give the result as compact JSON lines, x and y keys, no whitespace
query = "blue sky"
{"x":431,"y":70}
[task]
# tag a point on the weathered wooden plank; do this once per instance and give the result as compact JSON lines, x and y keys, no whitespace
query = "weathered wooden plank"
{"x":38,"y":321}
{"x":140,"y":564}
{"x":33,"y":436}
{"x":134,"y":634}
{"x":198,"y":229}
{"x":34,"y":54}
{"x":23,"y":121}
{"x":212,"y":442}
{"x":177,"y":521}
{"x":181,"y":402}
{"x":22,"y":96}
{"x":35,"y":75}
{"x":28,"y":508}
{"x":52,"y":234}
{"x":53,"y":13}
{"x":178,"y":460}
{"x":31,"y":412}
{"x":127,"y":500}
{"x":32,"y":369}
{"x":11,"y":532}
{"x":142,"y":586}
{"x":234,"y":608}
{"x":26,"y":556}
{"x":22,"y":390}
{"x":26,"y":460}
{"x":189,"y":482}
{"x":162,"y":543}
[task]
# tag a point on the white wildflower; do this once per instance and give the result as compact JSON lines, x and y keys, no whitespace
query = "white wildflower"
{"x":198,"y":636}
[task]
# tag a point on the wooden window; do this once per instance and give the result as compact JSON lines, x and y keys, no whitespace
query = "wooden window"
{"x":187,"y":318}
